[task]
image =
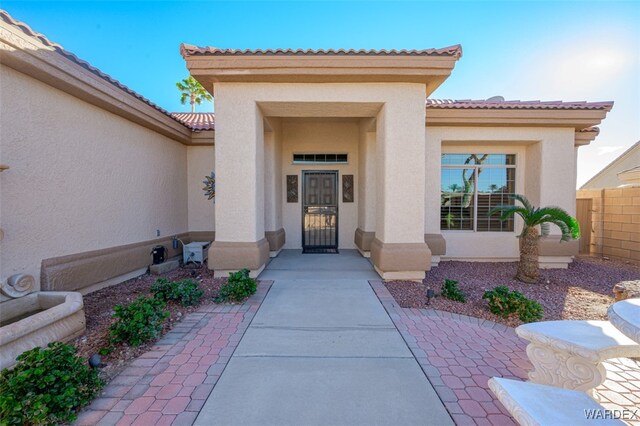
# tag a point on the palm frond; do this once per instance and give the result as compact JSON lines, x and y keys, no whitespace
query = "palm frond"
{"x":192,"y":89}
{"x":564,"y":229}
{"x":544,"y":229}
{"x":563,"y":220}
{"x":506,"y":211}
{"x":525,"y":202}
{"x":544,"y":217}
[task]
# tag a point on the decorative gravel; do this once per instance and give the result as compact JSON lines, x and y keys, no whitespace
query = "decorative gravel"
{"x":583,"y":291}
{"x":99,"y":309}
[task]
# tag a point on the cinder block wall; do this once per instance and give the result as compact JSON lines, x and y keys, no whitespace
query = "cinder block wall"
{"x":615,"y":227}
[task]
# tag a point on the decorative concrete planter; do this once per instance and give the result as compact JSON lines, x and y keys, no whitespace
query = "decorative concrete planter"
{"x":52,"y":316}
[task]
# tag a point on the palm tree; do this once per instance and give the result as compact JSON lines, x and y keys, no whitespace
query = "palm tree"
{"x":528,"y":268}
{"x":193,"y":91}
{"x":454,"y":187}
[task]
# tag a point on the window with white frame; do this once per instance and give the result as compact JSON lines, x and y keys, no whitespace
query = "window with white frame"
{"x":473,"y":184}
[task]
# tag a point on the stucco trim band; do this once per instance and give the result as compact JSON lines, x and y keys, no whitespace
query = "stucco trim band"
{"x":276,"y":239}
{"x":233,"y":256}
{"x":363,"y":239}
{"x":77,"y":272}
{"x":401,"y":260}
{"x":437,"y":244}
{"x":201,"y":236}
{"x":552,"y":246}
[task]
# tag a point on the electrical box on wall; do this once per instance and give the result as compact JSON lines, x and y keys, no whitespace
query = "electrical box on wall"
{"x":196,"y":252}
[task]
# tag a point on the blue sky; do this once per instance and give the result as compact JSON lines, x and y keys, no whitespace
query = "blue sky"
{"x":521,"y":50}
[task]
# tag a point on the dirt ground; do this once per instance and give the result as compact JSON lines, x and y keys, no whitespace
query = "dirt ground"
{"x":583,"y":291}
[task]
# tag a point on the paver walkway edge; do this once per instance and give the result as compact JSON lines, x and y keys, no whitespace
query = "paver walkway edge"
{"x":170,"y":383}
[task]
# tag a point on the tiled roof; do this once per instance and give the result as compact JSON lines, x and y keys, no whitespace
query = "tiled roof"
{"x":196,"y":121}
{"x":190,"y":50}
{"x":84,"y":64}
{"x":500,"y":104}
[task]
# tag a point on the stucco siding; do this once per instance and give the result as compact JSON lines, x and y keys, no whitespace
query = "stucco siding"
{"x":545,"y":173}
{"x":81,"y":178}
{"x":200,"y":163}
{"x":366,"y":190}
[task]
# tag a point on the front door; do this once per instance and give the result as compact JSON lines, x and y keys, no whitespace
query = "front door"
{"x":319,"y":211}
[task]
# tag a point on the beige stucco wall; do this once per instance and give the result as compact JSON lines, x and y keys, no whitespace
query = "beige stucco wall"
{"x":608,"y":177}
{"x":367,"y":176}
{"x":545,"y":173}
{"x":81,"y":178}
{"x":319,"y":136}
{"x":201,"y":210}
{"x":400,"y":168}
{"x":273,"y":180}
{"x":239,"y":166}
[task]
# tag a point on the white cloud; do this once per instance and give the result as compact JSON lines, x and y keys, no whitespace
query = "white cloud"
{"x":603,"y":150}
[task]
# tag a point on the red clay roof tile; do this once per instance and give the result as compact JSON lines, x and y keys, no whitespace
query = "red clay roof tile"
{"x":196,"y":121}
{"x":484,"y":104}
{"x":191,"y":50}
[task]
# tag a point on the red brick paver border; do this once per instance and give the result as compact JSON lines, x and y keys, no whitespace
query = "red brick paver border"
{"x":459,"y":354}
{"x":170,"y":383}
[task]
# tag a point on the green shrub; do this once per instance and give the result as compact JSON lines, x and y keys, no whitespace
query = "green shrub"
{"x":138,"y":322}
{"x":238,"y":287}
{"x":451,"y":291}
{"x":504,"y":302}
{"x":188,"y":291}
{"x":530,"y":311}
{"x":46,"y":386}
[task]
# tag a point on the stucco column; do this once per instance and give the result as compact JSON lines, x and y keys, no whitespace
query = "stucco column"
{"x":240,"y":239}
{"x":274,"y":232}
{"x":398,"y":250}
{"x":365,"y":233}
{"x":432,"y":233}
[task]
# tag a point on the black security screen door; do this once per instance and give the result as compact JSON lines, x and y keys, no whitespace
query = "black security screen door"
{"x":319,"y":212}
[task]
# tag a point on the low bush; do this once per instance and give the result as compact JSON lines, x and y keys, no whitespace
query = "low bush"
{"x":504,"y":302}
{"x":46,"y":386}
{"x":138,"y":322}
{"x":188,"y":292}
{"x":451,"y":291}
{"x":239,"y":286}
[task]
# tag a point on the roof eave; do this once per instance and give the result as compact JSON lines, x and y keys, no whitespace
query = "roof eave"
{"x":576,"y":118}
{"x":430,"y":70}
{"x":586,"y":136}
{"x":32,"y":54}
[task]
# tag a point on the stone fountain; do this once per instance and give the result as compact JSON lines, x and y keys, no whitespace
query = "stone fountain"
{"x":31,"y":318}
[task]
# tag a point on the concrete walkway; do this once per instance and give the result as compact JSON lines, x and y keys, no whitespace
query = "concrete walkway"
{"x":322,"y":350}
